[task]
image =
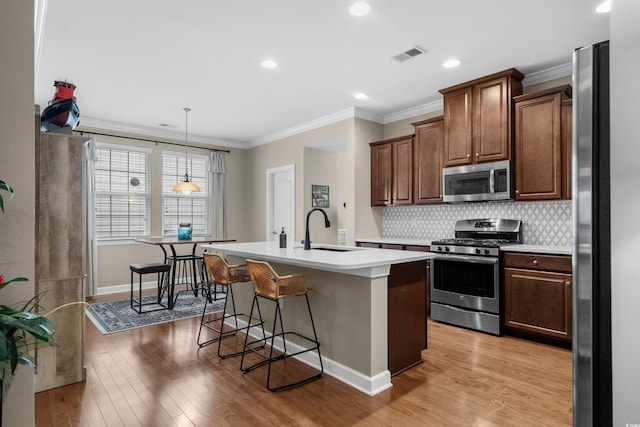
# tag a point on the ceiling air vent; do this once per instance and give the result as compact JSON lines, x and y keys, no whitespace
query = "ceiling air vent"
{"x":408,"y":54}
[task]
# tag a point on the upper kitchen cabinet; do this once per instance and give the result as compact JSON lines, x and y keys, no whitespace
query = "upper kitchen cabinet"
{"x":392,"y":171}
{"x":543,"y":145}
{"x":427,"y":161}
{"x":478,"y":118}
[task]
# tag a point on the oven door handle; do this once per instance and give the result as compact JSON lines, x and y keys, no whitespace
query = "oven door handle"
{"x":472,"y":259}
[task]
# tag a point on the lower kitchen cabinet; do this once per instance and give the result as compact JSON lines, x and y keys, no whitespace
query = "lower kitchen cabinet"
{"x":538,"y":295}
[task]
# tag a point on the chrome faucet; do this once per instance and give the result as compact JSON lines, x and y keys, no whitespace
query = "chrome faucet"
{"x":327,"y":224}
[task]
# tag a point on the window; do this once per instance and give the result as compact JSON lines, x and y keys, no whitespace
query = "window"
{"x":177,"y":208}
{"x":122,"y":192}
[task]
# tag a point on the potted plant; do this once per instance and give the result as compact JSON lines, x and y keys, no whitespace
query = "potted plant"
{"x":21,"y":330}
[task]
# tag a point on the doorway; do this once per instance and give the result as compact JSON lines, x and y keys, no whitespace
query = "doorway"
{"x":281,"y":202}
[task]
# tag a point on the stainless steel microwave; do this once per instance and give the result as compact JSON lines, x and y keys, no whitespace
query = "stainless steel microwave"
{"x":479,"y":182}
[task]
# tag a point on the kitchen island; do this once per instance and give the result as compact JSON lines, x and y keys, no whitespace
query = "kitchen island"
{"x":359,"y":295}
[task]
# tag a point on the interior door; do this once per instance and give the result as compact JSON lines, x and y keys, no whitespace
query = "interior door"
{"x":281,"y":186}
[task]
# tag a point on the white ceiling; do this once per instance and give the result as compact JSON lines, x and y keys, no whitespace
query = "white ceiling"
{"x":137,"y":63}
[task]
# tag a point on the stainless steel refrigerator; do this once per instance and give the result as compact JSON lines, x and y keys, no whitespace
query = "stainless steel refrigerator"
{"x":592,"y":392}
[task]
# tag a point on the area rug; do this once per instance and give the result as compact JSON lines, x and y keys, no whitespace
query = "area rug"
{"x":116,"y":316}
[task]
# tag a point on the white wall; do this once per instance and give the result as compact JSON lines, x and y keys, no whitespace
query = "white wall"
{"x":625,"y":209}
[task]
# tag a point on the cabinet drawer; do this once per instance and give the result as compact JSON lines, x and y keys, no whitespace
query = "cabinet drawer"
{"x":392,"y":246}
{"x":418,"y":248}
{"x":538,"y":262}
{"x":368,"y":245}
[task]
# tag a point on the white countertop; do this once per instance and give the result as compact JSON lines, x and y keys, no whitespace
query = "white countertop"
{"x":538,"y":249}
{"x":367,"y":262}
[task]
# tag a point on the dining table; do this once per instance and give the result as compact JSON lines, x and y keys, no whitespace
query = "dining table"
{"x":173,"y":258}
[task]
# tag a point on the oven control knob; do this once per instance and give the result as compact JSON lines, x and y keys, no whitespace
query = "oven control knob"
{"x":446,"y":249}
{"x":439,"y":248}
{"x":478,"y":251}
{"x":486,"y":251}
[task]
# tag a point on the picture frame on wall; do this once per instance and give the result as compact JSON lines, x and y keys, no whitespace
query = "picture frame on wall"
{"x":319,"y":196}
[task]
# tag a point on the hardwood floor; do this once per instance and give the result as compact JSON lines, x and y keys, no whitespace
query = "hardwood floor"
{"x":156,"y":376}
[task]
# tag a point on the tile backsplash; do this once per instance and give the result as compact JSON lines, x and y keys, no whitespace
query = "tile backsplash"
{"x":544,"y":223}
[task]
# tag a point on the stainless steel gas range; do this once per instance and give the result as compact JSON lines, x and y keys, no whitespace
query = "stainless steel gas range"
{"x":465,"y":274}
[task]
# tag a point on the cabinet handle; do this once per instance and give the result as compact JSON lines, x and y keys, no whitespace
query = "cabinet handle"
{"x":477,"y":155}
{"x":568,"y":283}
{"x":517,"y":191}
{"x":468,"y":156}
{"x":535,"y":262}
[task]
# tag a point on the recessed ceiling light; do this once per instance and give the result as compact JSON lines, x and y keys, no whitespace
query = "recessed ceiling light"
{"x":451,"y":63}
{"x":604,"y":7}
{"x":269,"y":63}
{"x":360,"y":8}
{"x":360,"y":95}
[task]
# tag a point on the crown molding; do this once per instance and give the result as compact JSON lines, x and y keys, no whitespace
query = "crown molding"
{"x":548,"y":74}
{"x":557,"y":72}
{"x":412,"y":112}
{"x":130,"y":129}
{"x":348,"y":113}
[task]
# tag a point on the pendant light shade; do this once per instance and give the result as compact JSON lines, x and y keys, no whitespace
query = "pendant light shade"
{"x":186,"y":186}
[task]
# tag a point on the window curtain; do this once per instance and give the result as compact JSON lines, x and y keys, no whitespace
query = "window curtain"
{"x":91,"y":247}
{"x":217,"y":223}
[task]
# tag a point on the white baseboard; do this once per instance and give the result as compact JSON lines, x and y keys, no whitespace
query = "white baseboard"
{"x":361,"y":382}
{"x":105,"y":290}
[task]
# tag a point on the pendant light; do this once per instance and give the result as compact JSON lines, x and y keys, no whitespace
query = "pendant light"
{"x":186,"y":186}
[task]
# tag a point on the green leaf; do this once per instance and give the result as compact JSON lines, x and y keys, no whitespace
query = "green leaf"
{"x":6,"y":187}
{"x":39,"y":327}
{"x":17,"y":279}
{"x":4,"y":350}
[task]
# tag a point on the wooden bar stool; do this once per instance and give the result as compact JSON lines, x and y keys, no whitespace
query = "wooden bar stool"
{"x":268,"y":285}
{"x":162,"y":270}
{"x":220,"y":273}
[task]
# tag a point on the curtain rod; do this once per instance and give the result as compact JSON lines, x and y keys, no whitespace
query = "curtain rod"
{"x":153,"y":140}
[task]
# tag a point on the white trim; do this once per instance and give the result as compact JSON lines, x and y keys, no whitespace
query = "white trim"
{"x":304,"y":127}
{"x":548,"y":74}
{"x":366,"y":115}
{"x":105,"y":290}
{"x":369,"y":385}
{"x":40,"y":15}
{"x":127,"y":128}
{"x":169,"y":152}
{"x":123,"y":147}
{"x":411,"y":112}
{"x":269,"y":202}
{"x":557,"y":72}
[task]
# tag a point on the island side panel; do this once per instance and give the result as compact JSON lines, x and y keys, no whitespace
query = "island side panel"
{"x":407,"y":315}
{"x":350,"y":315}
